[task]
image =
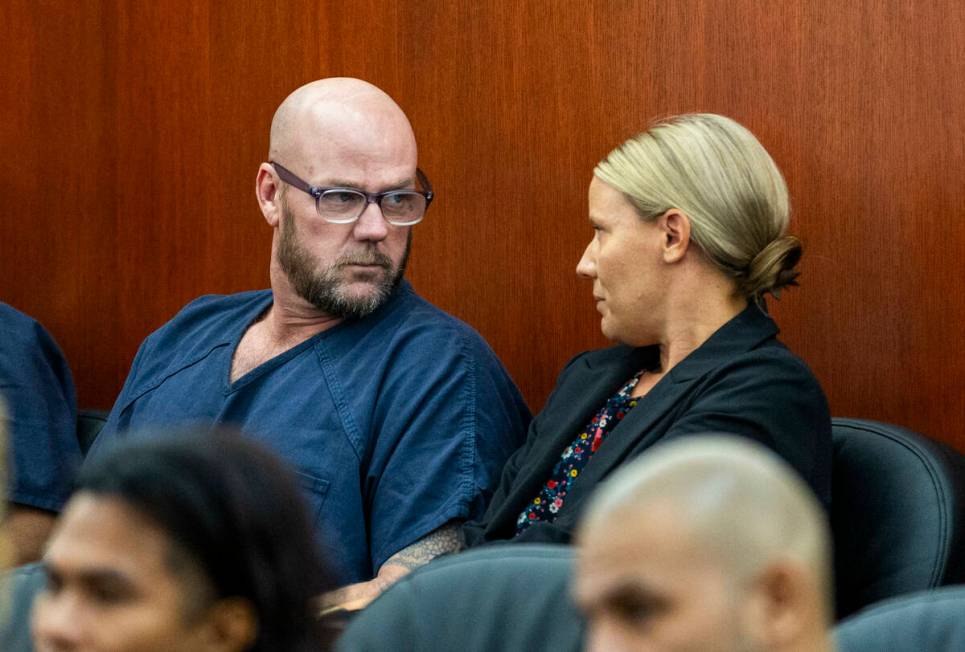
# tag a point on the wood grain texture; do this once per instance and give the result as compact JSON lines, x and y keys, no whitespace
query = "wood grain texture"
{"x":131,"y":134}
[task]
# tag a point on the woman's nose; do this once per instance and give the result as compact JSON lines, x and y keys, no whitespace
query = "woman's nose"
{"x":586,"y":268}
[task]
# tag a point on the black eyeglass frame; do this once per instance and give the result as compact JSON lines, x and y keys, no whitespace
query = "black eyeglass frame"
{"x":316,"y":192}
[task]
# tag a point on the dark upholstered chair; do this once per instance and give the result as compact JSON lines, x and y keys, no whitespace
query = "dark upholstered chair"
{"x":492,"y":599}
{"x":89,"y":423}
{"x":930,"y":621}
{"x":897,"y":514}
{"x":18,"y":588}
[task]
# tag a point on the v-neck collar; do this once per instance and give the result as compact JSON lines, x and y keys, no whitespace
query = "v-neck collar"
{"x":232,"y":337}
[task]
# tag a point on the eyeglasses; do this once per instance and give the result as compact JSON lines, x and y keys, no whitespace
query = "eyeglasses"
{"x":346,"y":205}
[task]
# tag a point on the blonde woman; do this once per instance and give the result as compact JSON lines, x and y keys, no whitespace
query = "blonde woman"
{"x":689,"y":226}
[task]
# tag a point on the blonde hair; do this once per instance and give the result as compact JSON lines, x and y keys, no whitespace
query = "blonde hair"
{"x":717,"y":173}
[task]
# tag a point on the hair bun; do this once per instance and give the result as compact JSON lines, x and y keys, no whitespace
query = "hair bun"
{"x":773,"y":268}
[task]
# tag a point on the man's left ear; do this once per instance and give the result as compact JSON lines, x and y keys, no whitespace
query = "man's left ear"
{"x":675,"y":227}
{"x":778,"y":608}
{"x":232,"y":625}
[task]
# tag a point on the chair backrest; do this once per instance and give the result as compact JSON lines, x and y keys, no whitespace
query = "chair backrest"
{"x":931,"y":620}
{"x":497,"y":598}
{"x":89,"y":423}
{"x":18,"y":587}
{"x":897,"y":513}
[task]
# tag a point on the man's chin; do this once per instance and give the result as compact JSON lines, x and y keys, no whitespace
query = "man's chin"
{"x":362,"y":288}
{"x":351,"y":292}
{"x":358,"y":293}
{"x":358,"y":276}
{"x":358,"y":298}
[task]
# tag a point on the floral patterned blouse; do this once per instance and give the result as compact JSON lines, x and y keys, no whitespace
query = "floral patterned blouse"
{"x":548,"y":502}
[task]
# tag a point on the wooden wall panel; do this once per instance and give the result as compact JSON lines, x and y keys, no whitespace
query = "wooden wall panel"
{"x":132,"y":132}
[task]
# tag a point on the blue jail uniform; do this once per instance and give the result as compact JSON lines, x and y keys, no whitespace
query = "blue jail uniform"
{"x":36,"y":384}
{"x":396,"y":423}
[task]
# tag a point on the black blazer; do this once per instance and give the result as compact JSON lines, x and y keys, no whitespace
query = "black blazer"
{"x":742,"y":380}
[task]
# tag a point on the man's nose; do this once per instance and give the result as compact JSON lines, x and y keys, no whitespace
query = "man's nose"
{"x":57,"y":622}
{"x":371,"y":224}
{"x":603,"y":636}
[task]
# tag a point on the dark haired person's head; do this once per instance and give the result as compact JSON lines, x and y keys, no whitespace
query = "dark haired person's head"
{"x":193,"y":543}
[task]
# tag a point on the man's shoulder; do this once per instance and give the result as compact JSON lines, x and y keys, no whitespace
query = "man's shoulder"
{"x":225,"y":306}
{"x":18,"y":327}
{"x":415,"y":317}
{"x":13,"y":317}
{"x":215,"y":313}
{"x":201,"y":325}
{"x":25,"y":339}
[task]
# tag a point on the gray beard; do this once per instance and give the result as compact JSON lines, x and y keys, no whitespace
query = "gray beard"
{"x":325,"y":290}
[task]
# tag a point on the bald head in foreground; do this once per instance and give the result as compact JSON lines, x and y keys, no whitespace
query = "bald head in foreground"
{"x":397,"y":416}
{"x":706,"y":544}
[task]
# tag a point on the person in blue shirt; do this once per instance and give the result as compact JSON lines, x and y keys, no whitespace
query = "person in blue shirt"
{"x":37,"y":386}
{"x":397,"y":416}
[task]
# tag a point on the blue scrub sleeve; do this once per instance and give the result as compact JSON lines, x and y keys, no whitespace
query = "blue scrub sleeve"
{"x":447,"y":445}
{"x":425,"y":473}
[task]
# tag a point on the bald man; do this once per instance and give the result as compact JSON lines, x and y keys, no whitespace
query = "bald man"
{"x":397,"y":416}
{"x":705,"y":544}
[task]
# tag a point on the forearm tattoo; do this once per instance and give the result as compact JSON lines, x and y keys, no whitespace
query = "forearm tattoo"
{"x":444,"y":540}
